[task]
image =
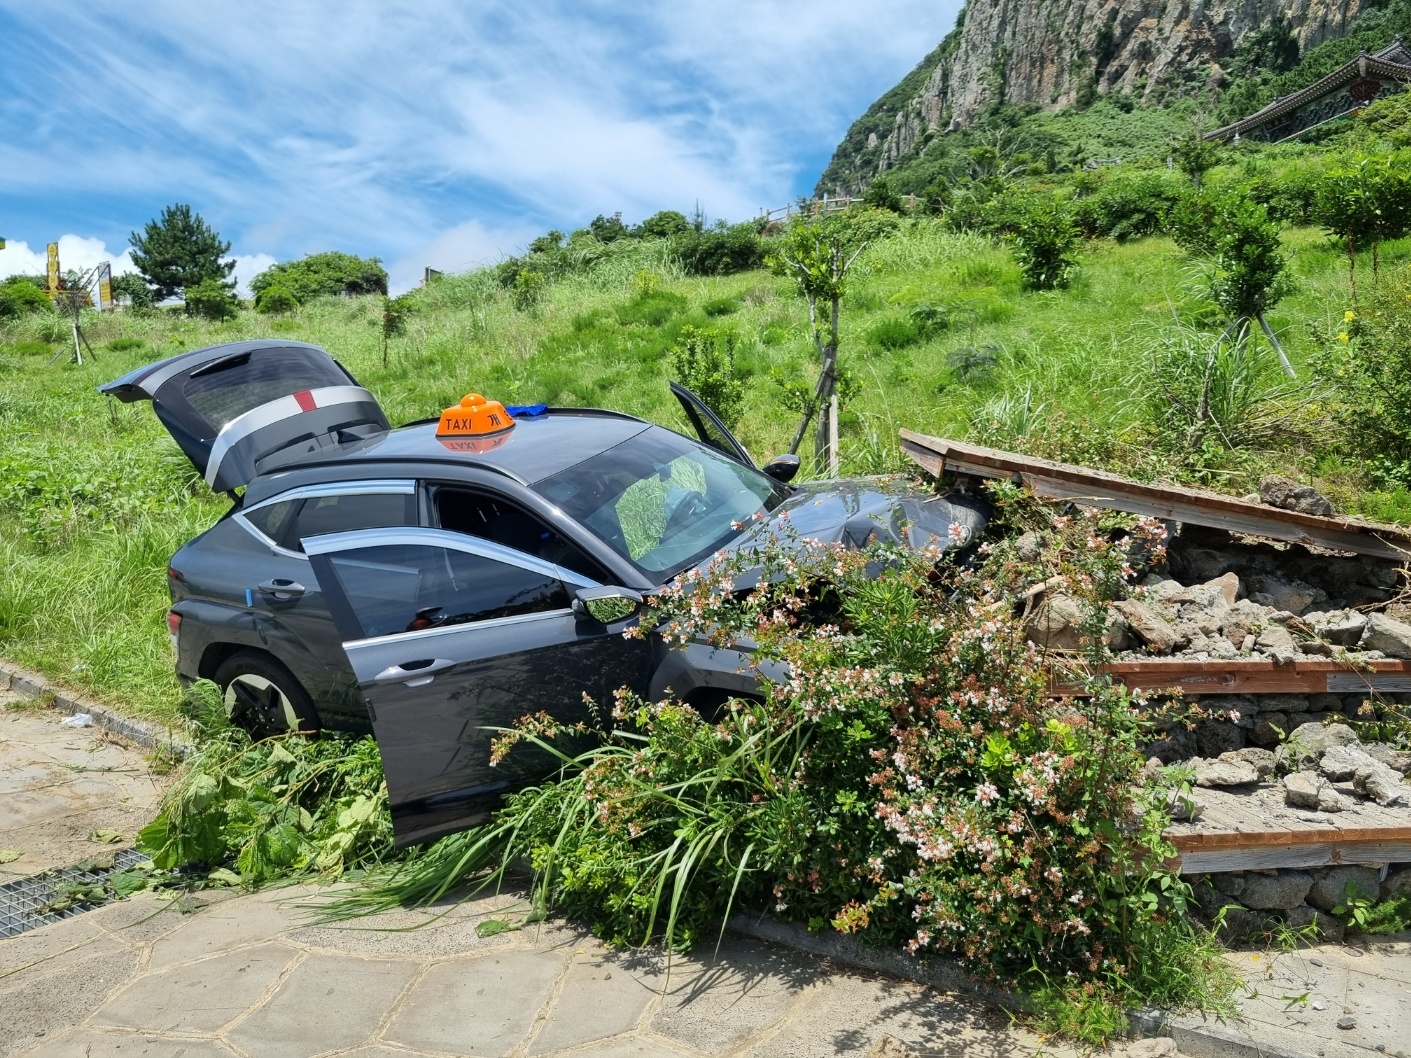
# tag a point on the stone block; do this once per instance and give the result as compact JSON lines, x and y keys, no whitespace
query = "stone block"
{"x":328,"y":1002}
{"x":1329,"y":928}
{"x":1230,"y":772}
{"x":1381,"y":784}
{"x":1057,"y":624}
{"x":1289,"y":495}
{"x":1214,"y":737}
{"x":1178,"y":744}
{"x":1391,"y":637}
{"x":1275,"y":892}
{"x":601,"y":996}
{"x":483,"y":1005}
{"x":1398,"y":760}
{"x":1269,"y":727}
{"x":1398,"y":883}
{"x":1262,"y":759}
{"x":1305,"y":789}
{"x":198,"y":997}
{"x":1330,"y":884}
{"x":1340,"y":763}
{"x":1150,"y":627}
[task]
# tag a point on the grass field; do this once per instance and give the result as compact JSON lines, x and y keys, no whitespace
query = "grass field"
{"x":94,"y":497}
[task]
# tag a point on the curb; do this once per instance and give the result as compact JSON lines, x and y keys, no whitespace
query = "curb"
{"x":1195,"y":1036}
{"x":138,"y":732}
{"x":938,"y":972}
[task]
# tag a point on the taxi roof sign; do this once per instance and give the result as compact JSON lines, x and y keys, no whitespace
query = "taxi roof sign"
{"x":474,"y":416}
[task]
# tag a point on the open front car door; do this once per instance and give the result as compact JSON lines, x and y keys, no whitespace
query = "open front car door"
{"x":230,"y":406}
{"x":712,"y":432}
{"x":453,"y":639}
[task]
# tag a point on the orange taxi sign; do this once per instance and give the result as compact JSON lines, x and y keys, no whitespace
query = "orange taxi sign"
{"x":474,"y":416}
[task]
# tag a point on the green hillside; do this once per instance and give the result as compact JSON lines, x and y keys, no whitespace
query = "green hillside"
{"x":94,"y":497}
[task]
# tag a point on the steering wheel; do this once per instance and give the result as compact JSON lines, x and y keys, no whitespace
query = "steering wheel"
{"x":691,"y":506}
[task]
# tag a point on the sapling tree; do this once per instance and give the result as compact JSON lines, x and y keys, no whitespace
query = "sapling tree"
{"x":1194,"y":155}
{"x":1249,"y":271}
{"x":1363,"y":203}
{"x":394,"y":319}
{"x":817,"y":253}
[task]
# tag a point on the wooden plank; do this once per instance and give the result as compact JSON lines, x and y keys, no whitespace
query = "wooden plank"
{"x":1271,"y":832}
{"x":1250,"y":676}
{"x":1100,"y":489}
{"x":1356,"y":682}
{"x":1315,"y":854}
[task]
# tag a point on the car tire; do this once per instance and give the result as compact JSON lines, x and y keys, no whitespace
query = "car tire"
{"x":262,"y":695}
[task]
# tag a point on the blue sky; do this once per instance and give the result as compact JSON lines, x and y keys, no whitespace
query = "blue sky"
{"x":430,"y":133}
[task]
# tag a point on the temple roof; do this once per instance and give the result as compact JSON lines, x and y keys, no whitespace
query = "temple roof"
{"x":1392,"y":62}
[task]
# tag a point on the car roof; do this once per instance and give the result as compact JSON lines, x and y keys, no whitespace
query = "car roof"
{"x":535,"y":448}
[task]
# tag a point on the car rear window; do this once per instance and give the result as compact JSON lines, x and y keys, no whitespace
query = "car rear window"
{"x":228,"y":389}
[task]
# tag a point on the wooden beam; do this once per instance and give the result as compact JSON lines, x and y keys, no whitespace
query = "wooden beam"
{"x":1251,"y":676}
{"x":1096,"y":488}
{"x":1267,"y":857}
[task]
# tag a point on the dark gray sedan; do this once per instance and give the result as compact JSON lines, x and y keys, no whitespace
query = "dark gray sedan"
{"x":435,"y":587}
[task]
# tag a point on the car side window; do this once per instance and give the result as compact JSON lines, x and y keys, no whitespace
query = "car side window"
{"x":496,"y":519}
{"x":273,"y":519}
{"x":396,"y":588}
{"x":319,"y":515}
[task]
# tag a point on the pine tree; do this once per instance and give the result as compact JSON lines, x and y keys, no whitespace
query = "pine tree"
{"x":178,"y":251}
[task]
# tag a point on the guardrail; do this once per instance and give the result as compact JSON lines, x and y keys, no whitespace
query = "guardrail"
{"x":826,"y":204}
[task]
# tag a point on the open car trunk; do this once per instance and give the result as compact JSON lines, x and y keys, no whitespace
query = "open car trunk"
{"x":230,"y":406}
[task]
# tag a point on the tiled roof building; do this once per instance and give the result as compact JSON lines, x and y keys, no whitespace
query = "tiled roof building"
{"x":1347,"y":89}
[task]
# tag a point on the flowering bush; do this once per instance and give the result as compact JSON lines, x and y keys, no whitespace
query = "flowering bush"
{"x":909,"y":779}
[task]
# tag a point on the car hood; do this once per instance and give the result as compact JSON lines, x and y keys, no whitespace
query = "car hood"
{"x":859,"y":511}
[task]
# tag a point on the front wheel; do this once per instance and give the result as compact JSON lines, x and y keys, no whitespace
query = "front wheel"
{"x":263,"y":697}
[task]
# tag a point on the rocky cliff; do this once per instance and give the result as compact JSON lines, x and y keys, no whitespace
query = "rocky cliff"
{"x":1061,"y":53}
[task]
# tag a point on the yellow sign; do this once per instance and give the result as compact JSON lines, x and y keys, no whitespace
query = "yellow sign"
{"x":105,"y":287}
{"x":53,"y":268}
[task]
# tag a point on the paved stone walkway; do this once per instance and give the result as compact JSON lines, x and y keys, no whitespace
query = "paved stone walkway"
{"x":60,"y":784}
{"x":248,"y":975}
{"x":1293,"y":1002}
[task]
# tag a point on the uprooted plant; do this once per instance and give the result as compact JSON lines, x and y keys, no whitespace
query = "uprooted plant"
{"x":909,"y":780}
{"x":255,"y":811}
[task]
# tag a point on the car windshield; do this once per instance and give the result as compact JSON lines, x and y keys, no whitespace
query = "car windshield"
{"x":661,"y":501}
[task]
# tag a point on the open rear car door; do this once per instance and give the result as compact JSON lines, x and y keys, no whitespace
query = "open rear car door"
{"x":712,"y":432}
{"x":230,"y":406}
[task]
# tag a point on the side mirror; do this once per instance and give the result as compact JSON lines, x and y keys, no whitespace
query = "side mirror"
{"x":606,"y":605}
{"x":782,"y":468}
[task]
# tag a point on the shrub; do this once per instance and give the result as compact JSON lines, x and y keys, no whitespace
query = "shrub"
{"x":1242,"y":244}
{"x":1130,"y":206}
{"x":663,"y":225}
{"x":528,"y":289}
{"x":19,"y":297}
{"x":323,"y":275}
{"x":275,"y":298}
{"x":212,"y":300}
{"x":609,"y":229}
{"x":912,"y":782}
{"x":715,"y":252}
{"x":894,"y":332}
{"x":141,"y":297}
{"x":720,"y":306}
{"x":881,"y":195}
{"x":703,"y":360}
{"x":1044,"y":239}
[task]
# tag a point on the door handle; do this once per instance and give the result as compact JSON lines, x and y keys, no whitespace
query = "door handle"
{"x":414,"y":673}
{"x":282,"y":588}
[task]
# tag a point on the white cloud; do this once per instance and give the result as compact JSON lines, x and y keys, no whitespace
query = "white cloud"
{"x":247,"y":267}
{"x":458,"y":249}
{"x":406,"y":130}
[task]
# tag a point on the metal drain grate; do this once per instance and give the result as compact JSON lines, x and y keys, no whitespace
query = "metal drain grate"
{"x":22,"y":903}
